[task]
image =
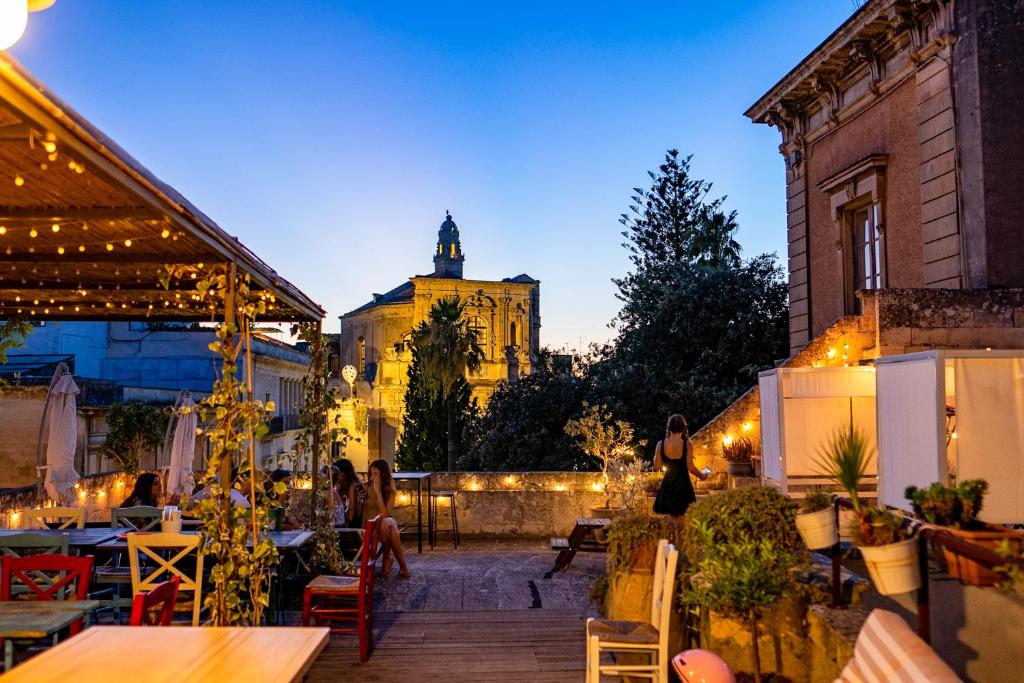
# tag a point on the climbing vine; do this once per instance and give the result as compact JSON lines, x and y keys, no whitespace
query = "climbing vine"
{"x":234,"y":420}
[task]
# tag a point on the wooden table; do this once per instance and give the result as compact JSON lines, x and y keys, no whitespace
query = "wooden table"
{"x":88,"y":537}
{"x":178,"y":653}
{"x":35,"y":619}
{"x":419,"y":478}
{"x":284,"y":541}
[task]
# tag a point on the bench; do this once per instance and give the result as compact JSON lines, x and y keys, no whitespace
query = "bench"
{"x":580,"y":540}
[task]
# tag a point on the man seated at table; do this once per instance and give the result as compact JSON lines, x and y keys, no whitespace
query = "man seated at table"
{"x":237,"y":497}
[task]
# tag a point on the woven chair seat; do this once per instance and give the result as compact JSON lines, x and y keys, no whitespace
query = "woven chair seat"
{"x":623,"y":631}
{"x":334,"y":584}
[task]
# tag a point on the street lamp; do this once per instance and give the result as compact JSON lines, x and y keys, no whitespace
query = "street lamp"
{"x":14,"y":18}
{"x":348,"y":373}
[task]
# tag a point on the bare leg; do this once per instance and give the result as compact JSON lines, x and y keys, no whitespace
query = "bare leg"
{"x":396,"y":544}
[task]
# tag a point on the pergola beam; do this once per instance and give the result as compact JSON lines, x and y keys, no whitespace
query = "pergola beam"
{"x":12,"y":214}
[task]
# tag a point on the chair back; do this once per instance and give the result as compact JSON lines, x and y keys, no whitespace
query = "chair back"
{"x":162,"y":598}
{"x":47,"y":577}
{"x":663,"y":590}
{"x":63,"y":517}
{"x":158,"y":548}
{"x":28,"y":543}
{"x":368,"y":566}
{"x":137,"y":518}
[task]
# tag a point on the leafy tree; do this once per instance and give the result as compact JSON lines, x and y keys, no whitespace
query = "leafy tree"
{"x":714,"y":244}
{"x":603,"y":438}
{"x":523,"y":428}
{"x":12,"y":336}
{"x":446,"y":348}
{"x":133,"y":428}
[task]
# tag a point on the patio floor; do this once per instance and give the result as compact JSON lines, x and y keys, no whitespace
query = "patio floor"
{"x":487,"y":612}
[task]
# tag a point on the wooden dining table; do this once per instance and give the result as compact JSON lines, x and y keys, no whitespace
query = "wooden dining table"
{"x":89,"y":537}
{"x":36,"y":619}
{"x":176,"y":654}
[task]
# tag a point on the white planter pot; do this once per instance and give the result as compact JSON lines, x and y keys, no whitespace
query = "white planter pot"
{"x":818,"y":529}
{"x":893,"y":568}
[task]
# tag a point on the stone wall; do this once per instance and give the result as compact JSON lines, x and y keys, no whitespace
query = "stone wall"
{"x":96,"y":493}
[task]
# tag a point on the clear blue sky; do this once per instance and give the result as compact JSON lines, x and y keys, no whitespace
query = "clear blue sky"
{"x":331,"y":136}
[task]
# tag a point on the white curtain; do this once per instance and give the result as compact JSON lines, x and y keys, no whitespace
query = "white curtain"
{"x":911,"y":428}
{"x":180,"y":481}
{"x":62,"y":440}
{"x":990,"y":431}
{"x":771,"y":446}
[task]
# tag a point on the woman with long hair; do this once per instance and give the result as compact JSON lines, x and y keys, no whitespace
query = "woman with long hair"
{"x":381,"y":502}
{"x":675,"y":455}
{"x":146,"y":492}
{"x":349,"y":495}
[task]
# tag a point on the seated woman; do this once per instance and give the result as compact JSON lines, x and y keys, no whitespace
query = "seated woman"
{"x":349,"y":495}
{"x":380,"y":502}
{"x":147,"y":491}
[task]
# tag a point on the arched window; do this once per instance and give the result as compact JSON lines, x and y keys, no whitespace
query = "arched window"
{"x":479,"y":325}
{"x":360,"y":355}
{"x":513,"y":335}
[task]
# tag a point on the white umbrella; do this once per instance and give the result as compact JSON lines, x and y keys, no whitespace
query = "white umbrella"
{"x":179,"y":471}
{"x":63,"y":436}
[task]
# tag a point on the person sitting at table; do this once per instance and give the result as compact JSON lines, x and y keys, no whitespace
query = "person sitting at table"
{"x":379,"y":503}
{"x":146,"y":492}
{"x":349,"y":495}
{"x":237,"y":497}
{"x":280,"y":500}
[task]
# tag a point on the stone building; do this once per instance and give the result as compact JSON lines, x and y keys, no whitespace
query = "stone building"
{"x":903,"y":188}
{"x":375,"y":337}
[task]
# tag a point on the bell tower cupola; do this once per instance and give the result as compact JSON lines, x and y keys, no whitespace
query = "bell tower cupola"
{"x":448,"y":257}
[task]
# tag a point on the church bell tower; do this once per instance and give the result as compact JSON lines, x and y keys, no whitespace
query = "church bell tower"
{"x":448,"y":258}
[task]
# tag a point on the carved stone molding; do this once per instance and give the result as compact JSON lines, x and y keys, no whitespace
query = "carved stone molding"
{"x":824,"y":84}
{"x":864,"y":51}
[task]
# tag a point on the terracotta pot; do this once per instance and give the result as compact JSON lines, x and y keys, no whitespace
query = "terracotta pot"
{"x":893,"y":567}
{"x":818,"y":529}
{"x":741,"y":469}
{"x":642,"y":558}
{"x":969,"y":571}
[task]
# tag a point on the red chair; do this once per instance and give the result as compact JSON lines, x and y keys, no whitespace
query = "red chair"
{"x":347,"y":599}
{"x":162,"y":597}
{"x":47,"y":577}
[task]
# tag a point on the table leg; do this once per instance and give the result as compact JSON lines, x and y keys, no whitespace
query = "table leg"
{"x":430,"y":509}
{"x":419,"y":515}
{"x":8,"y":654}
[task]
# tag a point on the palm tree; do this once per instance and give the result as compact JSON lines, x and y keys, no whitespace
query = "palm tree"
{"x":713,"y":245}
{"x":448,"y":348}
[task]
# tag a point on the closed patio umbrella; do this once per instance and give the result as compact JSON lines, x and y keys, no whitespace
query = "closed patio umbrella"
{"x":62,"y":440}
{"x":179,"y":471}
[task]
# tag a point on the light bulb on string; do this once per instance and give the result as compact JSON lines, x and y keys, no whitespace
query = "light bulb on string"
{"x":18,"y":180}
{"x":33,"y":233}
{"x":55,"y":227}
{"x":3,"y":229}
{"x":127,"y":243}
{"x":110,"y":247}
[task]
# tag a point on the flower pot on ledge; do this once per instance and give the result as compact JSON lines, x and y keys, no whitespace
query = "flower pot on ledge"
{"x":893,"y":567}
{"x":818,"y":529}
{"x":744,"y":468}
{"x":991,"y":536}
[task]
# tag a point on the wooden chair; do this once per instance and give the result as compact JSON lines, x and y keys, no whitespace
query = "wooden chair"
{"x":28,"y":543}
{"x":580,"y":540}
{"x":889,"y":650}
{"x":347,"y":599}
{"x":646,"y":637}
{"x":114,"y":576}
{"x":137,"y":518}
{"x":62,"y":517}
{"x":150,"y":546}
{"x":48,"y":577}
{"x":161,"y":599}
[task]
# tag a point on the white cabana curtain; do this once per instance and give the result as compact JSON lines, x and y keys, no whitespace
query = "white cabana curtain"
{"x":180,"y":481}
{"x":61,"y":476}
{"x":990,"y":431}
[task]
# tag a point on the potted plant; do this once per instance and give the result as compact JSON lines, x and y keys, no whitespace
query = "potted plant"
{"x":816,"y":520}
{"x":607,"y":440}
{"x":739,"y":453}
{"x":890,"y":556}
{"x":955,"y":509}
{"x":632,"y":543}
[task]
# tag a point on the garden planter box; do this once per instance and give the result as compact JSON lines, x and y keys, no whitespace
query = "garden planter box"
{"x":969,"y":571}
{"x":893,"y":568}
{"x":818,"y":529}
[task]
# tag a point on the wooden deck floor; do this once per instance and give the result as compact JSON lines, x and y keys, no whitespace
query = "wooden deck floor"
{"x":523,"y":645}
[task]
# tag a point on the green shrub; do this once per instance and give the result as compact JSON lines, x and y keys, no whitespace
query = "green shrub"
{"x":761,"y":513}
{"x":634,"y":532}
{"x":815,"y":501}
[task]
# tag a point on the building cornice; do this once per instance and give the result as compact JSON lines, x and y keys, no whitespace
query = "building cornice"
{"x":858,"y":63}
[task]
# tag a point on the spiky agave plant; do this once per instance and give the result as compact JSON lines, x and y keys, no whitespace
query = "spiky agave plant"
{"x":845,"y":459}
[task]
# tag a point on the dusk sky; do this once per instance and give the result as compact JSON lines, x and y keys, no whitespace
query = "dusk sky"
{"x":332,"y":136}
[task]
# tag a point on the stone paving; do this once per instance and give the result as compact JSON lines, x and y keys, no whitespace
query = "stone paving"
{"x":502,"y":574}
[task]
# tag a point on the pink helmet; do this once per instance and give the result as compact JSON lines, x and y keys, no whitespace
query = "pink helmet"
{"x":701,"y":666}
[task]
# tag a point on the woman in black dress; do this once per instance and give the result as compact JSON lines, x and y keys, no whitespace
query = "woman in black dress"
{"x":676,"y":457}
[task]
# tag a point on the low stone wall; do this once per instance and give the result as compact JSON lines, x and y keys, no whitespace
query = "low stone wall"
{"x":97,"y":493}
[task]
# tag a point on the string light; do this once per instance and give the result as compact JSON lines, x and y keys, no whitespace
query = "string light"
{"x":33,"y":233}
{"x":19,"y":181}
{"x":127,"y":243}
{"x":60,"y":250}
{"x":3,"y":229}
{"x":55,"y":227}
{"x":165,"y":233}
{"x":110,"y":247}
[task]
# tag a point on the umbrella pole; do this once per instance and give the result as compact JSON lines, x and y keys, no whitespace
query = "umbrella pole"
{"x":62,"y":369}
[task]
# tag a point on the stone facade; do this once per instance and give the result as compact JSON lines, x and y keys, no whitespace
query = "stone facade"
{"x":375,"y":338}
{"x":897,"y":172}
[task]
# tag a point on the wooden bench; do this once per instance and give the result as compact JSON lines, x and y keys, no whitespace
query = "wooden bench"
{"x":580,"y":540}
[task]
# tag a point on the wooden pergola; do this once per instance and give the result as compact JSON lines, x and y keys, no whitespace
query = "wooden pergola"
{"x":88,"y":233}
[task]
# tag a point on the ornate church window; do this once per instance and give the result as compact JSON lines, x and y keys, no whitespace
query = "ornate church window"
{"x":479,"y":325}
{"x":361,"y":355}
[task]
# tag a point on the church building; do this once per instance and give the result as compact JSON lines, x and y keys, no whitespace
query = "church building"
{"x":375,"y":338}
